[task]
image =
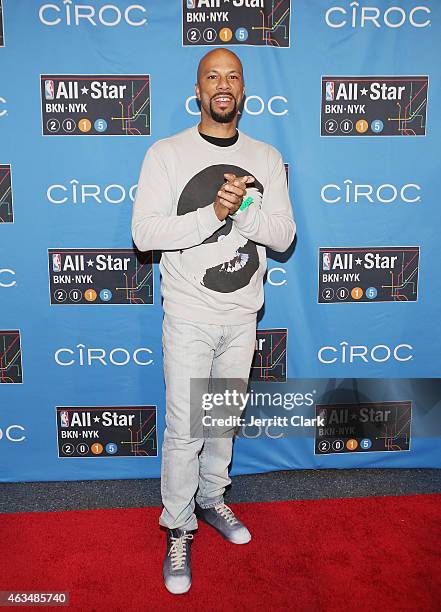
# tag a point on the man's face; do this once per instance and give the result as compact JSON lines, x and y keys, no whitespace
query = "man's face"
{"x":220,"y":86}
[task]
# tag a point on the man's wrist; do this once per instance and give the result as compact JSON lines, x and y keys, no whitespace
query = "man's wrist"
{"x":220,"y":209}
{"x":242,"y":207}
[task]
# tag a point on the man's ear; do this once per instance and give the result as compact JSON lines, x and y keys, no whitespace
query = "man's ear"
{"x":197,"y":91}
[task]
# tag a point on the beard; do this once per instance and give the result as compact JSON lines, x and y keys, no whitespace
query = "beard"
{"x":224,"y":117}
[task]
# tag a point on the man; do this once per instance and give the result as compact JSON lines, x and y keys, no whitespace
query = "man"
{"x":211,"y":198}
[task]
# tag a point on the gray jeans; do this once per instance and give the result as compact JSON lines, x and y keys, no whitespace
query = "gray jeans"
{"x":196,"y":465}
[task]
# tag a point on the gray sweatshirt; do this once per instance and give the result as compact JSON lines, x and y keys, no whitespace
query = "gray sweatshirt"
{"x":212,"y":271}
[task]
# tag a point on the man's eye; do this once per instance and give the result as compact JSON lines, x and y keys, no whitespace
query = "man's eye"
{"x":212,"y":76}
{"x":233,"y":76}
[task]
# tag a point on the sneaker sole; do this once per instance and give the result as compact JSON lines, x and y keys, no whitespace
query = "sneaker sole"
{"x":177,"y":592}
{"x":222,"y":534}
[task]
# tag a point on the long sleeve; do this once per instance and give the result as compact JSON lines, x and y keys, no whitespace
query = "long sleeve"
{"x":273,"y":224}
{"x":154,"y":224}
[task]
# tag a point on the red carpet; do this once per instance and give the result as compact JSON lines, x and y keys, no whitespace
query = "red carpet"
{"x":325,"y":555}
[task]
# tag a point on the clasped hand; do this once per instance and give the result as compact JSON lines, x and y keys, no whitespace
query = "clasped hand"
{"x":230,"y":196}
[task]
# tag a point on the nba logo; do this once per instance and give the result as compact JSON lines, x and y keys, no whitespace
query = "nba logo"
{"x":49,"y":90}
{"x":326,"y":261}
{"x":64,"y":418}
{"x":329,"y":90}
{"x":191,"y":4}
{"x":56,"y":262}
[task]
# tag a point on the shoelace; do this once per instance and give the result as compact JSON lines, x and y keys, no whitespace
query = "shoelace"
{"x":226,"y":513}
{"x":178,"y":550}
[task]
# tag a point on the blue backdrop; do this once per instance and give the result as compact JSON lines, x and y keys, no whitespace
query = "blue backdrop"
{"x":348,"y":92}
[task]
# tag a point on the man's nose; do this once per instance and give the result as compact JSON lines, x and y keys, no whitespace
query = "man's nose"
{"x":223,"y":83}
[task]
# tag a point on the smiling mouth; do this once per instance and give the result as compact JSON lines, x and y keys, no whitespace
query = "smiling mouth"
{"x":223,"y":100}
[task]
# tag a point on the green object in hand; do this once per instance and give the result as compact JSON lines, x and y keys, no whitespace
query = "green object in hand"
{"x":243,"y":206}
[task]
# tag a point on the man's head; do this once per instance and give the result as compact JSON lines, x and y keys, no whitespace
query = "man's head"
{"x":220,"y":85}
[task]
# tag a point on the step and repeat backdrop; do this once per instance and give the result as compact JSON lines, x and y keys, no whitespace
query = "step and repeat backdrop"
{"x":349,"y":338}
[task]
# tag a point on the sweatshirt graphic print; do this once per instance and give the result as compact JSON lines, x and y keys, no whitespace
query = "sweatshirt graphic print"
{"x":212,"y":271}
{"x":232,"y":266}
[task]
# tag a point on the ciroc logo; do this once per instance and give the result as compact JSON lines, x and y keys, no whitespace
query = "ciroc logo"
{"x":76,"y":192}
{"x":354,"y":193}
{"x":276,"y":276}
{"x":7,"y":278}
{"x":88,"y":356}
{"x":3,"y":111}
{"x":12,"y":433}
{"x":253,"y":105}
{"x":70,"y":13}
{"x":352,"y":15}
{"x":360,"y":354}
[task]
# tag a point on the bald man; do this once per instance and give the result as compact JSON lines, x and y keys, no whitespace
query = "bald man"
{"x":212,"y":199}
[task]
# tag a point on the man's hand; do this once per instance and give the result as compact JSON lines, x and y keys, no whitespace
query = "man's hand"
{"x":230,"y":195}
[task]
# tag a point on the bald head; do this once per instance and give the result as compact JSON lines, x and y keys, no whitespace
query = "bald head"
{"x":219,"y":57}
{"x":220,"y":89}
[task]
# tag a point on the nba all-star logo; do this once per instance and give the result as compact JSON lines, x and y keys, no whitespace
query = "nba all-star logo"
{"x":100,"y":276}
{"x":264,"y":23}
{"x":6,"y":210}
{"x":368,"y":274}
{"x":374,"y":106}
{"x":363,"y":427}
{"x":106,"y":431}
{"x":95,"y":105}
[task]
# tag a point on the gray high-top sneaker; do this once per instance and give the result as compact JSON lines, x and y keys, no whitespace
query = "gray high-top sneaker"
{"x":222,"y":518}
{"x":177,"y":562}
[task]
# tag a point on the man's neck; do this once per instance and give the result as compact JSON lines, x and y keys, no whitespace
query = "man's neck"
{"x":221,"y":142}
{"x":218,"y":130}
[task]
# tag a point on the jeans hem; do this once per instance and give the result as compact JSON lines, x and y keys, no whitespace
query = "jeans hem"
{"x":191,"y":527}
{"x":211,"y":503}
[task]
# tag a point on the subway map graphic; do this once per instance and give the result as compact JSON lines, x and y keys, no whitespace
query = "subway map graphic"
{"x":10,"y":357}
{"x":106,"y":431}
{"x":269,"y":362}
{"x":95,"y":105}
{"x":100,"y":276}
{"x":264,"y":23}
{"x":6,"y":210}
{"x":2,"y":38}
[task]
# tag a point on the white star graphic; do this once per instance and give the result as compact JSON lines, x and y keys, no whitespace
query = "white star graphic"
{"x":358,"y":261}
{"x":363,"y":91}
{"x":96,"y":419}
{"x":90,"y":262}
{"x":84,"y":90}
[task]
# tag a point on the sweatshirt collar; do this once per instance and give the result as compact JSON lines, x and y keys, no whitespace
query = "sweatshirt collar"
{"x":212,"y":147}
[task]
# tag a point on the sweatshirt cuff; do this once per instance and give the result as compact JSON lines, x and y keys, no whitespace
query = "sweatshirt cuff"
{"x":246,"y":217}
{"x":208,"y":221}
